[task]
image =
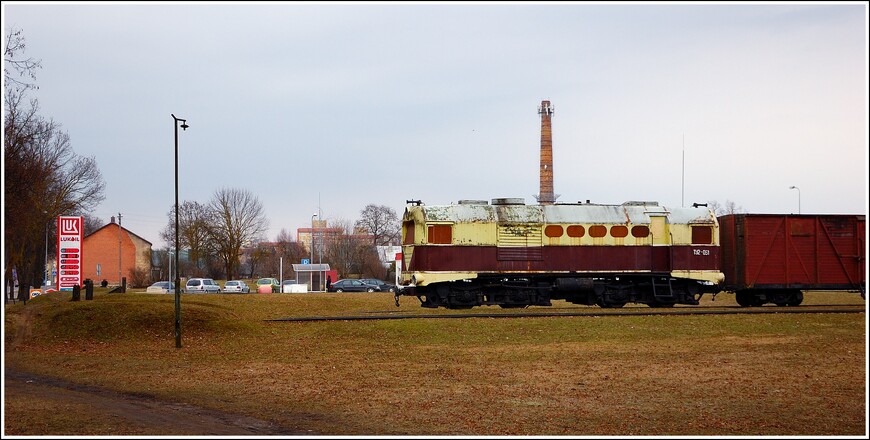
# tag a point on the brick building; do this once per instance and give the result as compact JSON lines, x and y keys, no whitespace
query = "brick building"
{"x":102,"y":249}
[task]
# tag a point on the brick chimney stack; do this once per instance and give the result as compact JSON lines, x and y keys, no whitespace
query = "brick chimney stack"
{"x":546,"y":196}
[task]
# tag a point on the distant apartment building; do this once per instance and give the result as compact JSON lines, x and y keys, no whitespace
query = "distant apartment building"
{"x":321,"y":234}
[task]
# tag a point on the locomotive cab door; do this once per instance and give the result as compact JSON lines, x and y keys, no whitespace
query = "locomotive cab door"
{"x":658,"y":228}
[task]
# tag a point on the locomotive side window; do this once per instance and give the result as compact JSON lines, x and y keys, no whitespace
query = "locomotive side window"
{"x":576,"y":231}
{"x":597,"y":231}
{"x":702,"y":235}
{"x":619,"y":231}
{"x":640,"y":231}
{"x":408,"y":227}
{"x":553,"y":231}
{"x":440,"y":234}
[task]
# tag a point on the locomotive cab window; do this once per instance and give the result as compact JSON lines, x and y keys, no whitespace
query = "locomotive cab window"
{"x":702,"y":235}
{"x":576,"y":231}
{"x":440,"y":234}
{"x":597,"y":231}
{"x":618,"y":231}
{"x":640,"y":231}
{"x":553,"y":231}
{"x":408,"y":228}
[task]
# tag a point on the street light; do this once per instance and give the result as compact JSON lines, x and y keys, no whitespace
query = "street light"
{"x":799,"y":197}
{"x":311,"y":261}
{"x":177,"y":278}
{"x":45,"y":269}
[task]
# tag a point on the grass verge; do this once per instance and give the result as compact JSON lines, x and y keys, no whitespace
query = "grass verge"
{"x":771,"y":374}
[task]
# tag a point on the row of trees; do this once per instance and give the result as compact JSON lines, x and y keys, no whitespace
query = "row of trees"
{"x":224,"y":238}
{"x":218,"y":231}
{"x":43,"y":176}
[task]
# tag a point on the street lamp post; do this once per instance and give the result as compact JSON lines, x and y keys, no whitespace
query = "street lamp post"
{"x":177,"y":278}
{"x":45,"y":269}
{"x":799,"y":197}
{"x":311,"y":261}
{"x":171,"y":280}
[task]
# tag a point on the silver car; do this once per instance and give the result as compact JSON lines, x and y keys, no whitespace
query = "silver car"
{"x":201,"y":285}
{"x":161,"y":287}
{"x":236,"y":286}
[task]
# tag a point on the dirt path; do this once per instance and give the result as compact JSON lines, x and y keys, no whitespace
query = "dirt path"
{"x":134,"y":414}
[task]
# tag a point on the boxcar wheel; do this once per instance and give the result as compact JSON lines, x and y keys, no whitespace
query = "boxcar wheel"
{"x":796,"y":298}
{"x":744,"y":298}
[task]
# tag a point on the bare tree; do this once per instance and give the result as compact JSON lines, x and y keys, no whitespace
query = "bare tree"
{"x":193,"y":233}
{"x":255,"y":258}
{"x":381,"y":222}
{"x":237,"y":220}
{"x":18,"y":66}
{"x":91,"y":223}
{"x":291,"y":250}
{"x":729,"y":208}
{"x":43,"y":177}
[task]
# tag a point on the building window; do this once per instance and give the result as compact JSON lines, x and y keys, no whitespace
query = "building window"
{"x":640,"y":231}
{"x":597,"y":231}
{"x":440,"y":234}
{"x":576,"y":231}
{"x":553,"y":231}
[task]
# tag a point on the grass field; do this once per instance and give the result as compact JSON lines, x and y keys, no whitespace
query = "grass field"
{"x":770,"y":374}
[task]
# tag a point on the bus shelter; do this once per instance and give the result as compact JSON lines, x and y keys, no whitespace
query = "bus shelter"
{"x":312,"y":275}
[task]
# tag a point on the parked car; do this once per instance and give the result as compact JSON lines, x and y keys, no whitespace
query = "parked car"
{"x":201,"y":285}
{"x":236,"y":286}
{"x":268,"y":285}
{"x":348,"y":285}
{"x":382,"y":285}
{"x":161,"y":287}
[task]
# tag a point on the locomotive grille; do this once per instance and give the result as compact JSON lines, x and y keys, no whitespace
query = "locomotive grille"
{"x":520,"y":242}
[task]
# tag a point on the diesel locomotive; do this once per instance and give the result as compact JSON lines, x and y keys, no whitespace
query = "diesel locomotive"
{"x":511,"y":254}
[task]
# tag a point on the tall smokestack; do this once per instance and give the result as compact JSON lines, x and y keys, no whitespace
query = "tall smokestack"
{"x":546,"y":196}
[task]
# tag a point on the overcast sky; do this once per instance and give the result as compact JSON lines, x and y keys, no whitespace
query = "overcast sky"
{"x":331,"y":107}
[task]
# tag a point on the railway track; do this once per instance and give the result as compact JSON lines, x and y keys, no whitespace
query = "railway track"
{"x":590,"y":311}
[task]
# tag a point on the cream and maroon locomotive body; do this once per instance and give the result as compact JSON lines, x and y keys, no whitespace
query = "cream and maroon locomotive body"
{"x":511,"y":254}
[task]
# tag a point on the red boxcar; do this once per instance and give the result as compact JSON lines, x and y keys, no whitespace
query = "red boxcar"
{"x":773,"y":257}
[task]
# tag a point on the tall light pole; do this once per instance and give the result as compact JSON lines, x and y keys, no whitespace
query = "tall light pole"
{"x":311,"y":261}
{"x":45,"y":269}
{"x":177,"y":272}
{"x":799,"y":197}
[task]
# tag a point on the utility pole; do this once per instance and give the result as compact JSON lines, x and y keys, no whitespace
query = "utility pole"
{"x":119,"y":248}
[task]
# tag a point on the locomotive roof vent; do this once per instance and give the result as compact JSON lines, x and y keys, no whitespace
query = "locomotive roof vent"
{"x":640,"y":203}
{"x":509,"y":201}
{"x":473,"y":202}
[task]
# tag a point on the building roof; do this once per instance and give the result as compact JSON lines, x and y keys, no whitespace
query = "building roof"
{"x":112,"y":224}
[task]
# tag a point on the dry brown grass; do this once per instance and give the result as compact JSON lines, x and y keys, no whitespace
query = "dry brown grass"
{"x":780,"y":374}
